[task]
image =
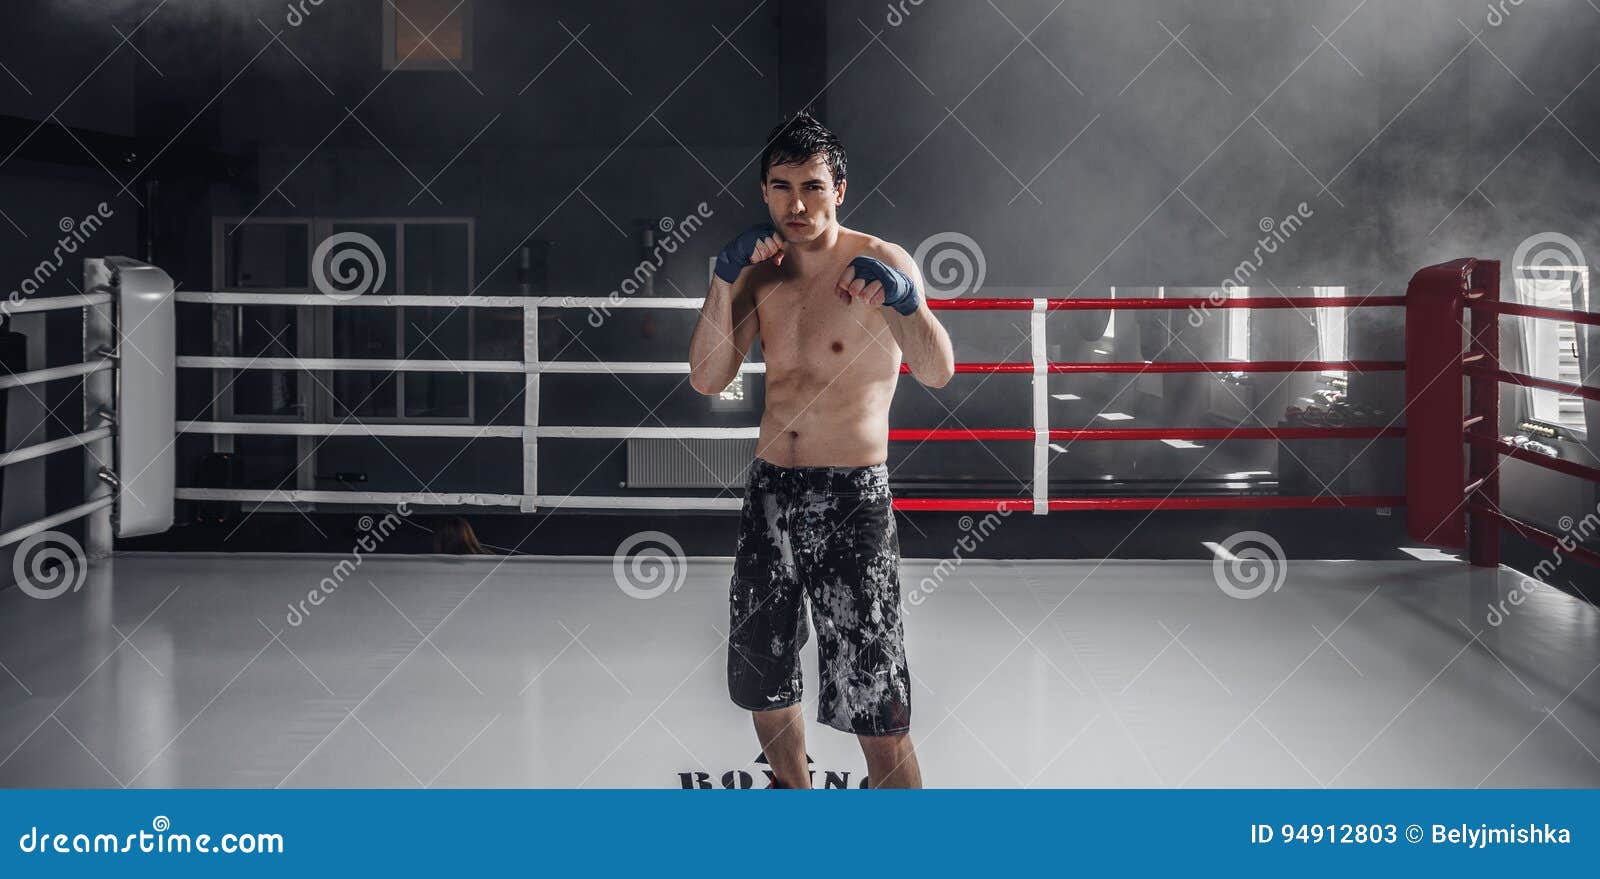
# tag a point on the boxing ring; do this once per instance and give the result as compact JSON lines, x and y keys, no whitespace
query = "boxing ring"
{"x":1439,"y":506}
{"x":541,"y":672}
{"x":126,"y":406}
{"x":1040,"y":433}
{"x":1441,"y":509}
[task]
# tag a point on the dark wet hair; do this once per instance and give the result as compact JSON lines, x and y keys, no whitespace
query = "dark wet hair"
{"x":797,"y":139}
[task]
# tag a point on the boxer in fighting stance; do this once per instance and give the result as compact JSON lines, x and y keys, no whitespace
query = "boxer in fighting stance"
{"x":836,"y":310}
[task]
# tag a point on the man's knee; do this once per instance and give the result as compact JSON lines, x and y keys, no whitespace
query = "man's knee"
{"x":887,"y":747}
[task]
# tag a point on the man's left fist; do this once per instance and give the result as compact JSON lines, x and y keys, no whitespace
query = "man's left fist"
{"x":878,"y":283}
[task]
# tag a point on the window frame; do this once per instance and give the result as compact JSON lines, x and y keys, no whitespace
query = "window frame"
{"x":1544,"y":405}
{"x":323,"y":321}
{"x":1332,"y":326}
{"x":314,"y":328}
{"x":1236,"y":345}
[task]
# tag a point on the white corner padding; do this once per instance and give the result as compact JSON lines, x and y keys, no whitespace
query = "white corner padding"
{"x":146,"y":397}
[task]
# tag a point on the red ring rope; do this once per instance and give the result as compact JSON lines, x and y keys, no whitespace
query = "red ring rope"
{"x":1149,"y":434}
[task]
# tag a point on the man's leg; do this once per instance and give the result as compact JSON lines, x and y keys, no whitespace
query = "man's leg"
{"x":855,"y":598}
{"x":767,"y":627}
{"x":891,"y":760}
{"x":782,"y":732}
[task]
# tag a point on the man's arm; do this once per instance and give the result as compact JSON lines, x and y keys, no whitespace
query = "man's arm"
{"x":722,"y":337}
{"x":924,"y":344}
{"x":728,"y":321}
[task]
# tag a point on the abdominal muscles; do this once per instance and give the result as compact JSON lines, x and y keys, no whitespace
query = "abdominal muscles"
{"x":815,"y":421}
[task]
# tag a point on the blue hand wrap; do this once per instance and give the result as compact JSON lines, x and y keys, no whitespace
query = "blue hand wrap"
{"x":733,"y":258}
{"x":899,"y":293}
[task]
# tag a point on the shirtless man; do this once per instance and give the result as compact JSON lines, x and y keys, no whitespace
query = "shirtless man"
{"x":836,"y":311}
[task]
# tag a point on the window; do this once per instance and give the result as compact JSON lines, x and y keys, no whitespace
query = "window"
{"x":1111,"y":318}
{"x":424,"y":257}
{"x":263,"y":255}
{"x":734,"y":396}
{"x":1552,"y":346}
{"x":1332,"y":340}
{"x":427,"y":34}
{"x":1239,"y":326}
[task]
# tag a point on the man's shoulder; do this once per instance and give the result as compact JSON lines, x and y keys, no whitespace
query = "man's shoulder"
{"x":864,"y":244}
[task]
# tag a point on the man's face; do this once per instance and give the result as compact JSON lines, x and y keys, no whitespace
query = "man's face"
{"x":802,"y":199}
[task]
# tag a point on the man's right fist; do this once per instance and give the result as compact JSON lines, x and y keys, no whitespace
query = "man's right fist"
{"x":752,"y":246}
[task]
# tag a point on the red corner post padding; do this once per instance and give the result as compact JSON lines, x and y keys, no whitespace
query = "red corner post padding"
{"x":1435,"y":457}
{"x":1483,"y":465}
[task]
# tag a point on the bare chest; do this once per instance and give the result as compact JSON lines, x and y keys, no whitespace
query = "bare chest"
{"x":805,"y":327}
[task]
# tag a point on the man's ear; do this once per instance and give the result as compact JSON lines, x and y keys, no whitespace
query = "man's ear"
{"x":838,"y":196}
{"x":763,"y":187}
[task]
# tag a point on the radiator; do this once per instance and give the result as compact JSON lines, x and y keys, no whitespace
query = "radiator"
{"x":688,"y":463}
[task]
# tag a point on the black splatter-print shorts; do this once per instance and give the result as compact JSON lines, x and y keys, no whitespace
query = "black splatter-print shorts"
{"x":824,"y":536}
